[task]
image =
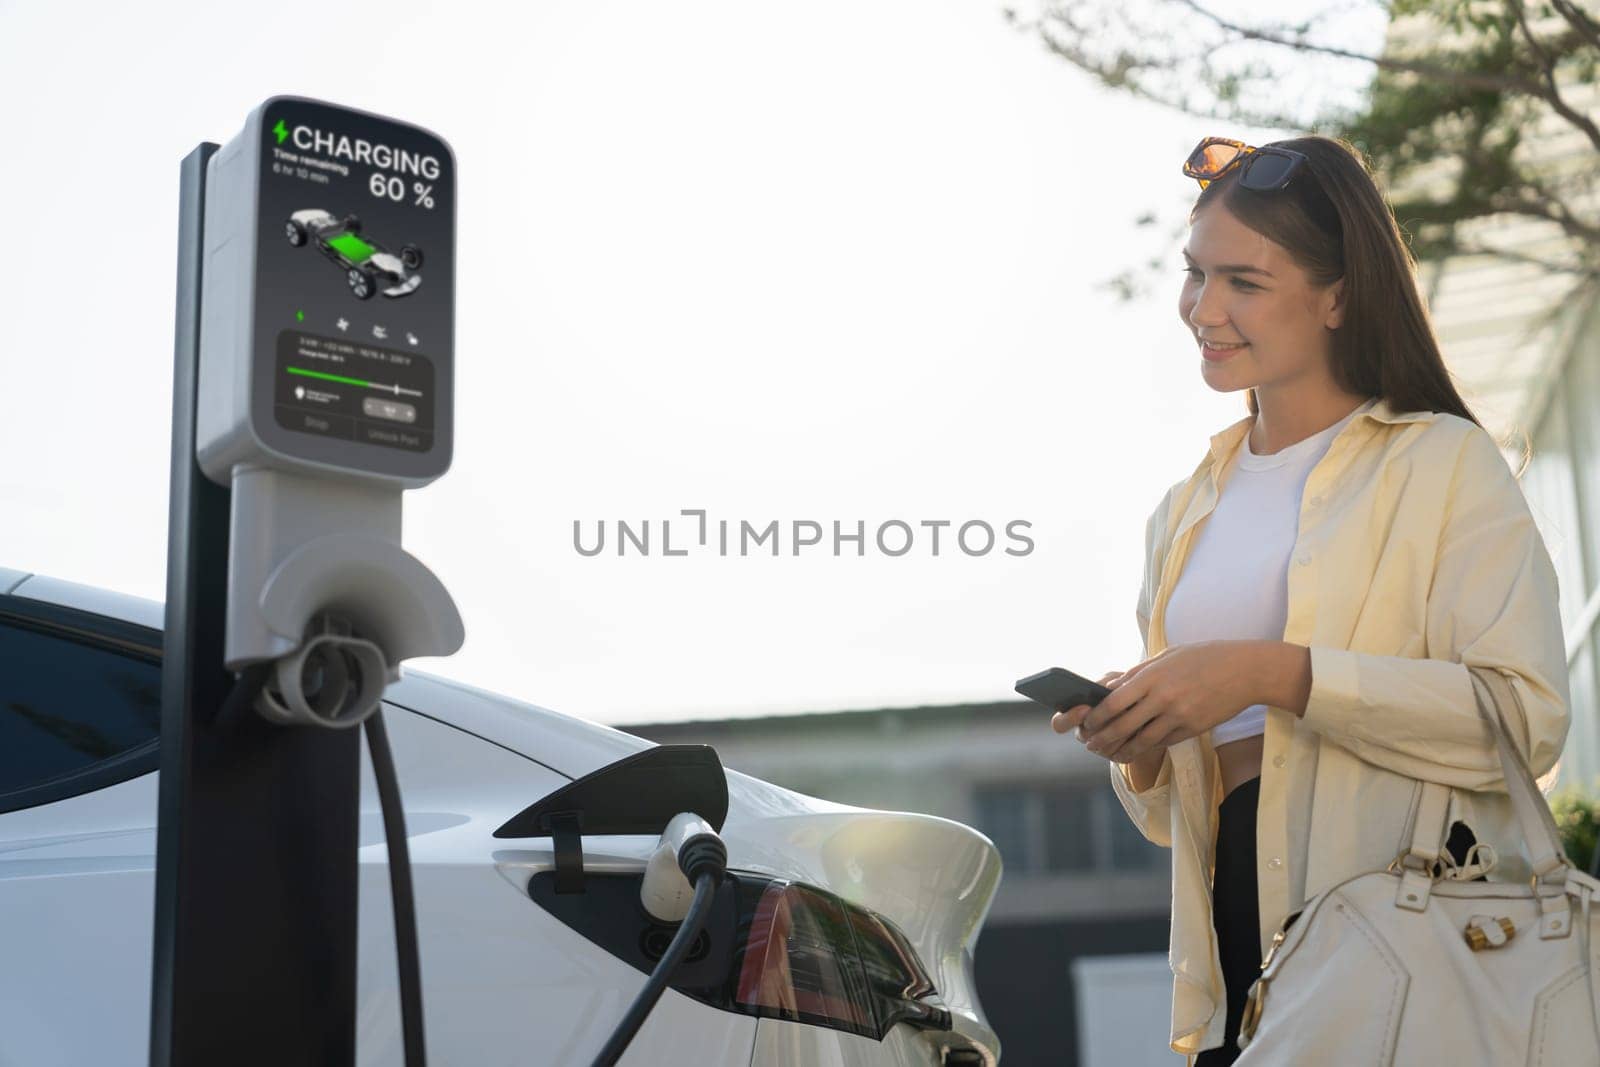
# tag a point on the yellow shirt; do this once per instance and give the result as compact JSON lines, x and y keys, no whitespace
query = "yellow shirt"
{"x":1417,"y":562}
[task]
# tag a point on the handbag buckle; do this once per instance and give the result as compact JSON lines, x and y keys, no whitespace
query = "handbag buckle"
{"x":1252,"y":1011}
{"x":1399,"y":864}
{"x":1258,"y":988}
{"x":1489,"y":931}
{"x":1272,"y":949}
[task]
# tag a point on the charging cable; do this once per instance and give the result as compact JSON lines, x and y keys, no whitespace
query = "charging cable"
{"x":400,"y":890}
{"x":701,"y":860}
{"x":346,"y":692}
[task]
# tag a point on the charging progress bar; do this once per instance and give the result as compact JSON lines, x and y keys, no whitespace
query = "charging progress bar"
{"x":395,"y":389}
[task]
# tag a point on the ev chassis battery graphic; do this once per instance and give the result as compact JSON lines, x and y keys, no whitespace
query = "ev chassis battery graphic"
{"x":368,"y":266}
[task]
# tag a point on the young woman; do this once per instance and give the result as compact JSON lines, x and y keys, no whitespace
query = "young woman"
{"x":1319,"y":593}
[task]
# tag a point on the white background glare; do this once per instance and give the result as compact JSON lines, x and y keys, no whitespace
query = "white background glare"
{"x":835,"y":261}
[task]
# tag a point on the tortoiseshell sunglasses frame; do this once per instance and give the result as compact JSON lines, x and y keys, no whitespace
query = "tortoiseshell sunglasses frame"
{"x":1245,"y":157}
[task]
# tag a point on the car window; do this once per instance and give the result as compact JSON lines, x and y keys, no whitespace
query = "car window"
{"x":69,"y":705}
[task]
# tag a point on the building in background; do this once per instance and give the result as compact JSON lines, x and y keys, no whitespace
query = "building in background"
{"x":1080,"y":884}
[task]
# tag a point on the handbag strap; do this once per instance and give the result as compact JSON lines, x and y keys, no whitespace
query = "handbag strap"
{"x":1426,"y":831}
{"x":1427,"y":827}
{"x":1533,"y":815}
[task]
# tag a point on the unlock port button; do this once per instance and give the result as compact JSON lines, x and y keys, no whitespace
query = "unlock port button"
{"x":393,"y":410}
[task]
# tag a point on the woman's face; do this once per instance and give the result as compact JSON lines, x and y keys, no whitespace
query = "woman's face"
{"x":1242,"y":288}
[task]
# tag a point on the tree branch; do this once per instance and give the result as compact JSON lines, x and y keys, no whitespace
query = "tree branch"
{"x":1467,"y":79}
{"x":1586,"y":27}
{"x":1123,"y":76}
{"x":1468,"y":101}
{"x":1455,"y":247}
{"x":1558,"y":208}
{"x":1550,"y":211}
{"x":1548,"y":66}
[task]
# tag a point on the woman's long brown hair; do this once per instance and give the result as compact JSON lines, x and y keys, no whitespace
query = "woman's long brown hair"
{"x":1335,"y":224}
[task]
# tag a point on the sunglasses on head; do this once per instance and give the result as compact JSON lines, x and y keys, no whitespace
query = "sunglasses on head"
{"x":1262,"y":169}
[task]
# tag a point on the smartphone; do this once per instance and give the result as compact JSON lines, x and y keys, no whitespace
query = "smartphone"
{"x":1059,"y":689}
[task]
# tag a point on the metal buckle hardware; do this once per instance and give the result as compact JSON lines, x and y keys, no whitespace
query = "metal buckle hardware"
{"x":1258,"y":992}
{"x":1272,"y":949}
{"x":1399,"y":864}
{"x":1480,"y":940}
{"x":1252,"y":1011}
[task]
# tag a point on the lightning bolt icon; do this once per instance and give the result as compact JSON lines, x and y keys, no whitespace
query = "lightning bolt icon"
{"x":281,"y":132}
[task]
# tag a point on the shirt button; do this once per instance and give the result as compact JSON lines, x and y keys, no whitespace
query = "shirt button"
{"x":1304,"y":558}
{"x":1316,"y":501}
{"x":1274,"y":863}
{"x":1278,"y":761}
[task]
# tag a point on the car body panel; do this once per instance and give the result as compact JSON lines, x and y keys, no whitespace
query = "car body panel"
{"x":780,"y":1043}
{"x":501,"y":975}
{"x":571,"y":746}
{"x":136,"y":610}
{"x":77,"y":902}
{"x":932,"y":878}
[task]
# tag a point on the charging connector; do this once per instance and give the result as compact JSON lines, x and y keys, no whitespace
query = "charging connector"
{"x":690,"y":852}
{"x":689,"y":846}
{"x":333,"y":679}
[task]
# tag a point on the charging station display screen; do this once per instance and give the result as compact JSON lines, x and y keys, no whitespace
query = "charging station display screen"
{"x":355,"y":290}
{"x":356,"y":391}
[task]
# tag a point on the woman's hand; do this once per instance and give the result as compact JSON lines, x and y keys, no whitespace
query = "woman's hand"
{"x":1173,"y":696}
{"x":1071,"y":718}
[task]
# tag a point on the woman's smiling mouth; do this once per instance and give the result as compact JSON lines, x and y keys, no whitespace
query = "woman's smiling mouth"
{"x":1216,"y":351}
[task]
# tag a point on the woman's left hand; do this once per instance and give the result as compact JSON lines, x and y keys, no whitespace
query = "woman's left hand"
{"x":1173,"y":696}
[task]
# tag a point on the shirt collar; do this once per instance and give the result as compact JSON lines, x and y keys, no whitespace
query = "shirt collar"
{"x":1224,"y":442}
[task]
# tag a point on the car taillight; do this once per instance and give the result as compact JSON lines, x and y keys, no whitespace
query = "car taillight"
{"x":807,"y":957}
{"x":770,"y":948}
{"x":798,"y":962}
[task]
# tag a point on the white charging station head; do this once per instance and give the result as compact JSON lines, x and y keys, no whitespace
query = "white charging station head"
{"x":327,"y":335}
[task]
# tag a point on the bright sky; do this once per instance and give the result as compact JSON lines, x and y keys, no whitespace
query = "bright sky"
{"x":833,"y":262}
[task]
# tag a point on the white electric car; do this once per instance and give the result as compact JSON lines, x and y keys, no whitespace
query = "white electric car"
{"x":842,"y":936}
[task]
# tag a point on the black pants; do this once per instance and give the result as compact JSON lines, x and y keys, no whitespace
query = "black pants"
{"x":1235,"y":911}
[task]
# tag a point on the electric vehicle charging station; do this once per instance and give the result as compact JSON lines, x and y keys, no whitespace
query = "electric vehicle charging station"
{"x":303,"y":406}
{"x":302,"y":410}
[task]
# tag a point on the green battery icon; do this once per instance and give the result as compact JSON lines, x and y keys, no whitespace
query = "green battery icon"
{"x":351,"y":247}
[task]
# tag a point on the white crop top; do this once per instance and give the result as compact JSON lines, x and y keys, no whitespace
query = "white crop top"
{"x":1234,"y":585}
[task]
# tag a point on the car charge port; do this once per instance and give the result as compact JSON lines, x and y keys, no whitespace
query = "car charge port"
{"x":654,"y":941}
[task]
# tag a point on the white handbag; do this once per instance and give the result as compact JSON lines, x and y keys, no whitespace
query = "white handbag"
{"x":1406,"y":966}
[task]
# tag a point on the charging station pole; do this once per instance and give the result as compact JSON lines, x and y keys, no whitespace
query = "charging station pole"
{"x":298,"y":422}
{"x":255,"y":925}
